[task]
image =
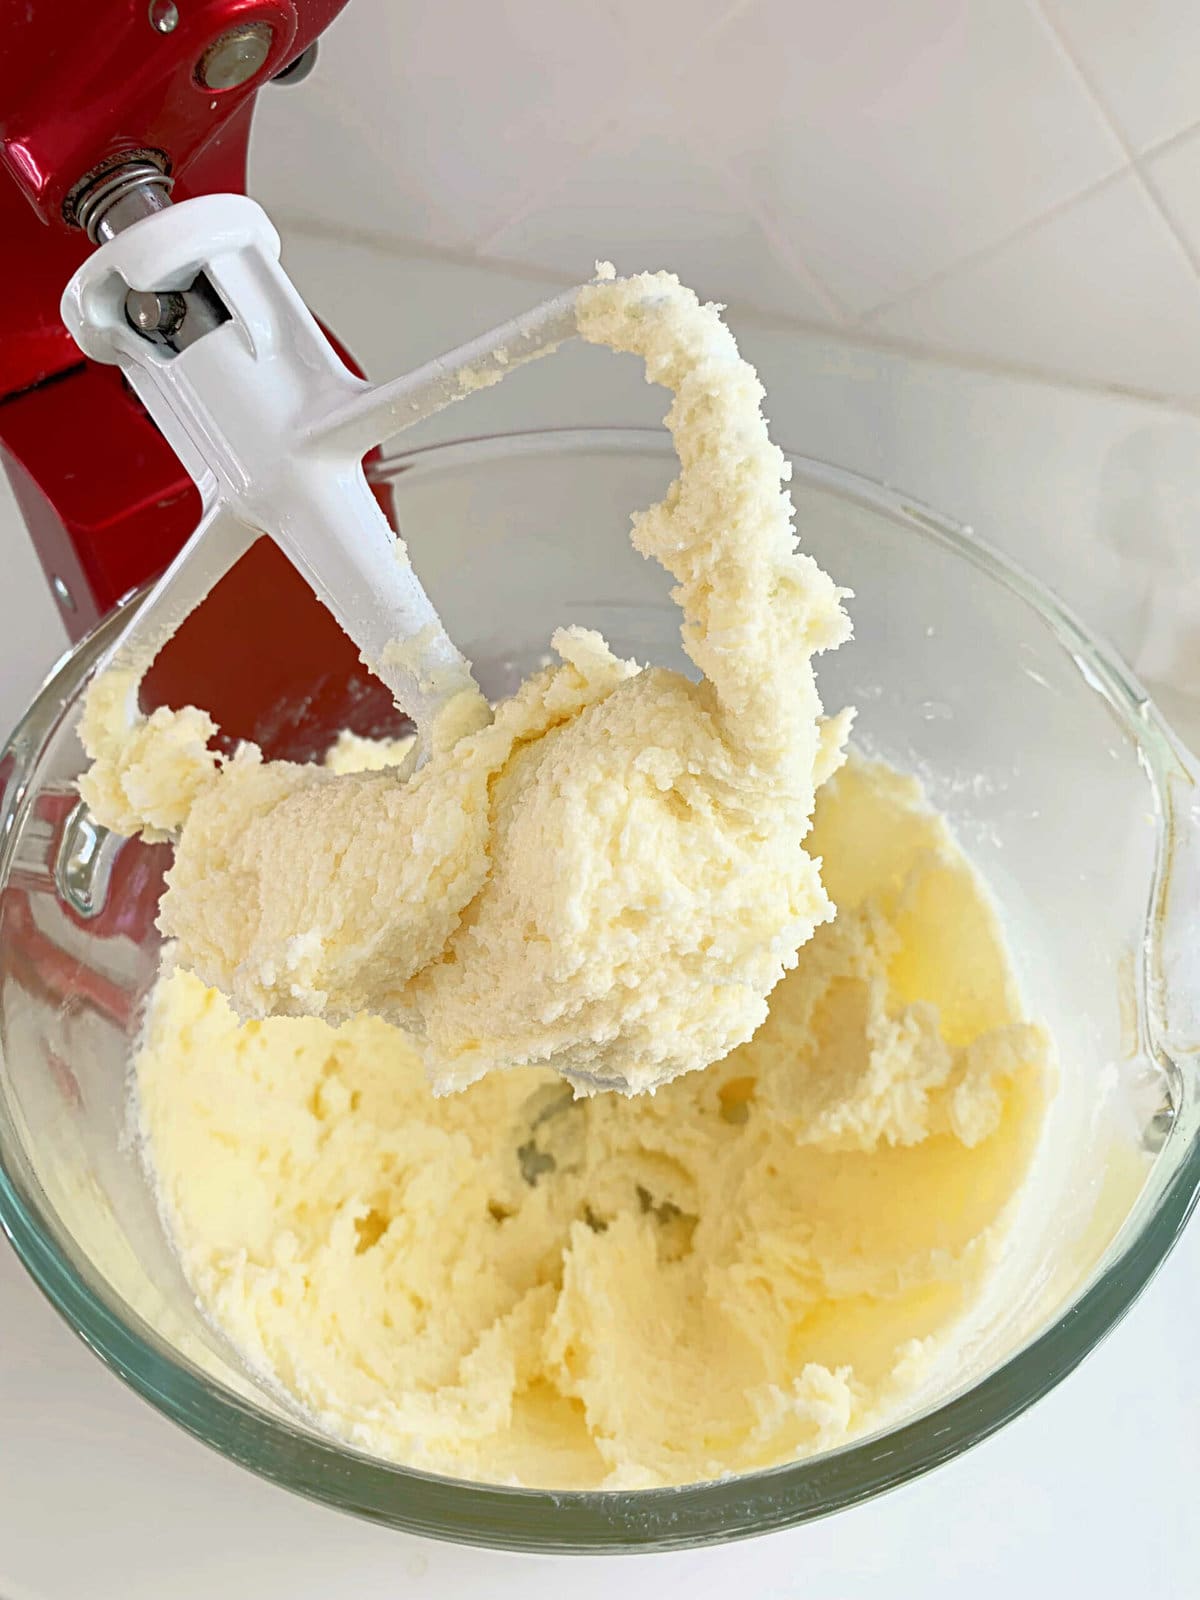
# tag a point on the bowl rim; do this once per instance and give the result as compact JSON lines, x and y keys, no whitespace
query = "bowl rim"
{"x":560,"y":1522}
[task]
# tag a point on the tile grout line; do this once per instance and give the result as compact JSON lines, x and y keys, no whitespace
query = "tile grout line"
{"x":405,"y":245}
{"x":974,"y":258}
{"x":855,"y":336}
{"x":1164,"y":146}
{"x":480,"y":244}
{"x":736,"y":9}
{"x":790,"y":259}
{"x":1134,"y":157}
{"x":483,"y":244}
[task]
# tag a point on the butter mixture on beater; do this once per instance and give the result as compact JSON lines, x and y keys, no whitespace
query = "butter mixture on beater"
{"x":609,"y":877}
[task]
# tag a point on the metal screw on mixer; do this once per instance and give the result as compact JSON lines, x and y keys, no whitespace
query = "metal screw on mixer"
{"x":236,"y":56}
{"x":176,"y":318}
{"x":164,"y":16}
{"x":152,"y":312}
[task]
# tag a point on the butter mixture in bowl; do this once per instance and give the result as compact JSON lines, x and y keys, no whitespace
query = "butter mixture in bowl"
{"x":350,"y":1087}
{"x":853,"y":1247}
{"x":757,"y":1262}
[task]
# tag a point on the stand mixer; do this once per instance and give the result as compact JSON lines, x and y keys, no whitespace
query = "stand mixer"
{"x":212,"y":342}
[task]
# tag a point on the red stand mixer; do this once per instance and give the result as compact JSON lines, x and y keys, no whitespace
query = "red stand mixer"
{"x":103,"y":107}
{"x":132,"y":136}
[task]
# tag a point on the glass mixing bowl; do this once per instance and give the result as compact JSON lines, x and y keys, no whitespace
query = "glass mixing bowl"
{"x":1061,"y":779}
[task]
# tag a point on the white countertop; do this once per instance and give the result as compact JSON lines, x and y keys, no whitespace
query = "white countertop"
{"x":1094,"y":1489}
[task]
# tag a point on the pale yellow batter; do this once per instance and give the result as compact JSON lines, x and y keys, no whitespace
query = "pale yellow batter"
{"x":759,"y":1261}
{"x":610,"y":877}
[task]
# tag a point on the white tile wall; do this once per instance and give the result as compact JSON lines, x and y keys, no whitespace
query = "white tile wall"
{"x":1006,"y":180}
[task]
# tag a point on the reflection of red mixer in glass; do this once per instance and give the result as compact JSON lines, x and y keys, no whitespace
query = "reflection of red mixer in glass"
{"x":97,"y":102}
